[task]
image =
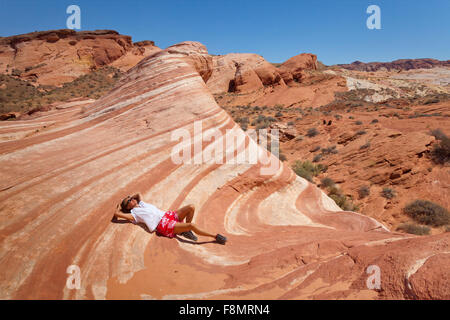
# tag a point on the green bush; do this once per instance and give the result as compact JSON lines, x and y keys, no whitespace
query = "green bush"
{"x":414,"y":228}
{"x":441,"y":151}
{"x":427,"y":212}
{"x":438,"y":134}
{"x":388,"y":193}
{"x":363,"y":191}
{"x":312,"y":132}
{"x":317,"y":157}
{"x":327,"y":182}
{"x":329,"y":150}
{"x":307,"y":170}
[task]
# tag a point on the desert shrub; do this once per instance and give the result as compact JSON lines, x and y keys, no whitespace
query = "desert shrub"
{"x":441,"y":151}
{"x":359,"y":122}
{"x":307,"y":170}
{"x":242,"y":120}
{"x":438,"y":134}
{"x":350,"y":117}
{"x":329,"y":150}
{"x":388,"y":193}
{"x":341,"y":200}
{"x":290,"y":123}
{"x":427,"y":212}
{"x":316,"y":148}
{"x":256,"y":108}
{"x":414,"y":228}
{"x":337,"y":116}
{"x":262,"y":125}
{"x":447,"y":229}
{"x":16,"y":72}
{"x":432,"y":100}
{"x":327,"y":182}
{"x":244,"y":126}
{"x":361,"y":132}
{"x":278,"y":114}
{"x":365,"y":146}
{"x":312,"y":132}
{"x":282,"y":157}
{"x":317,"y":157}
{"x":374,"y":121}
{"x":363,"y":191}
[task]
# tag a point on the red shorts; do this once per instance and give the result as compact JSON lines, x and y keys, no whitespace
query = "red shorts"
{"x":167,"y":223}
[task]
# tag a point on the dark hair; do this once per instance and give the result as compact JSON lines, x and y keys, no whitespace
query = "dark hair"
{"x":124,"y":204}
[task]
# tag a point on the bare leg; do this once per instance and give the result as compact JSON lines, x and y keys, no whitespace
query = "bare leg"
{"x":186,"y":212}
{"x":184,"y":227}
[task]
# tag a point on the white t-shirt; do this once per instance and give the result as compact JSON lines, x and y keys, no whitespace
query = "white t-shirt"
{"x":148,"y":214}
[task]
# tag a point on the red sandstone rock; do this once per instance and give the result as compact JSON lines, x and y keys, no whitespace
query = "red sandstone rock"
{"x":58,"y":56}
{"x":286,"y":238}
{"x":401,"y":64}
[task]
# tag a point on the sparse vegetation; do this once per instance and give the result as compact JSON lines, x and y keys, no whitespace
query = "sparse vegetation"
{"x":427,"y":212}
{"x":363,"y":192}
{"x":327,"y":182}
{"x":414,"y":229}
{"x":388,"y":193}
{"x":317,"y":157}
{"x":344,"y":202}
{"x":361,"y":132}
{"x":359,"y":122}
{"x":441,"y":151}
{"x":308,"y":170}
{"x":438,"y":134}
{"x":312,"y":132}
{"x":329,"y":150}
{"x":374,"y":121}
{"x":22,"y":96}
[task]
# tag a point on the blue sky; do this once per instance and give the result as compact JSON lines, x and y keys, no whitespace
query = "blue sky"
{"x":335,"y":30}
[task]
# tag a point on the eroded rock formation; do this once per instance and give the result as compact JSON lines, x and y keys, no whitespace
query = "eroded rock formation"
{"x":57,"y":56}
{"x":286,"y":239}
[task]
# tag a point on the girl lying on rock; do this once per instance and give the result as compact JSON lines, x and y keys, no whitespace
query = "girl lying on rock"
{"x":167,"y":223}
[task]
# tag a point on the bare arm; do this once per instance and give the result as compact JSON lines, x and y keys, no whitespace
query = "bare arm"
{"x":120,"y":214}
{"x":137,"y":196}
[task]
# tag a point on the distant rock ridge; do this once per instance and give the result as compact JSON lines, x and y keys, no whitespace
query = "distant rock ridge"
{"x":400,"y":64}
{"x":54,"y":57}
